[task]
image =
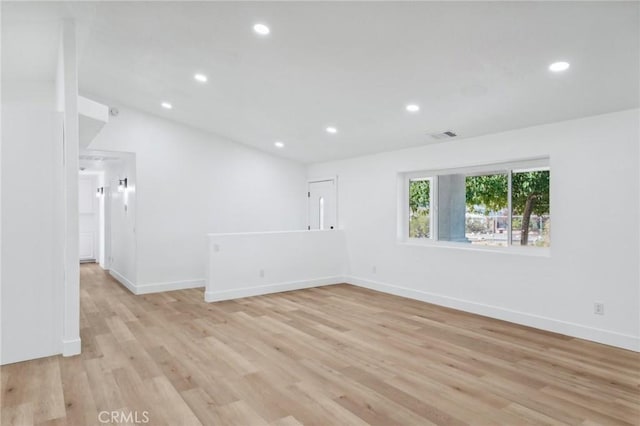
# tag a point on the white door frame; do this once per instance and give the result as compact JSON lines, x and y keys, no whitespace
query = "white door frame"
{"x":335,"y":197}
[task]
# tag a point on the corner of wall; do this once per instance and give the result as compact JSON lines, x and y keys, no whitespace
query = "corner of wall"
{"x":149,"y":288}
{"x":69,"y":82}
{"x":123,"y":280}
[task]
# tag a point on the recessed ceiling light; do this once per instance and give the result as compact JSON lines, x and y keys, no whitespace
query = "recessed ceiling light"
{"x":413,"y":108}
{"x":261,"y":29}
{"x":166,"y":105}
{"x":559,"y":66}
{"x":279,"y":144}
{"x":331,"y":130}
{"x":201,"y":78}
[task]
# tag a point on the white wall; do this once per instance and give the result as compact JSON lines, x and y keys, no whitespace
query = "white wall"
{"x":40,"y":277}
{"x":190,"y":183}
{"x":40,"y":292}
{"x":594,"y":252}
{"x":32,"y":243}
{"x":101,"y":221}
{"x":123,"y":214}
{"x":1,"y":192}
{"x":254,"y":263}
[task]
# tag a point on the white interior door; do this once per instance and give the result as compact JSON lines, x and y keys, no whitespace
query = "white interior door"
{"x":88,"y":218}
{"x":322,"y":204}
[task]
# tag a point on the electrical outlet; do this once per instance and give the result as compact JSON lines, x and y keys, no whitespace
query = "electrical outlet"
{"x":261,"y":273}
{"x":374,"y":269}
{"x":598,"y":308}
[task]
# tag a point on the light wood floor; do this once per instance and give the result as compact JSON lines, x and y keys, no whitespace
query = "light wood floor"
{"x":336,"y":355}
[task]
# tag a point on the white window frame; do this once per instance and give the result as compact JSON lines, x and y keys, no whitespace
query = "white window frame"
{"x":432,"y":213}
{"x":508,"y":168}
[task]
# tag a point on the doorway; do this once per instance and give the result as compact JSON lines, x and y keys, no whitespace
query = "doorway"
{"x":90,"y":217}
{"x":107,"y":211}
{"x":322,"y":211}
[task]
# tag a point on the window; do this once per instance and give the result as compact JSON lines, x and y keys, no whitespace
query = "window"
{"x":530,"y":219}
{"x":498,"y":205}
{"x":420,"y":208}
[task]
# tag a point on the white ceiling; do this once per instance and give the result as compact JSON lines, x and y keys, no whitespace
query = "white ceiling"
{"x":95,"y":161}
{"x":30,"y":40}
{"x":475,"y":68}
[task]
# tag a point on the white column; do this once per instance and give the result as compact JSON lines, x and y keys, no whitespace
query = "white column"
{"x":71,"y":323}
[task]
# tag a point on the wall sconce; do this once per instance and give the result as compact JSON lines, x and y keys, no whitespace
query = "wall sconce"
{"x":122,"y":185}
{"x":99,"y":192}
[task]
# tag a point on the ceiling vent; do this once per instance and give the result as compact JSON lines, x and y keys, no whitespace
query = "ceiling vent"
{"x":96,"y":158}
{"x":444,"y":135}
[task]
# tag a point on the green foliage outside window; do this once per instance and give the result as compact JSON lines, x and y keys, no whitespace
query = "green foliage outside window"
{"x":529,"y":196}
{"x":419,"y":208}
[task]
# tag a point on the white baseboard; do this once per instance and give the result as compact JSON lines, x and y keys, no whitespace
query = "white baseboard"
{"x":71,"y":347}
{"x":170,"y":286}
{"x":123,"y":280}
{"x":155,"y":287}
{"x":217,"y":296}
{"x":550,"y":324}
{"x":9,"y":357}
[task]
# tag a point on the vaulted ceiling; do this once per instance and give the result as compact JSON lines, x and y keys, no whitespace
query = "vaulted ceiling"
{"x":472,"y":67}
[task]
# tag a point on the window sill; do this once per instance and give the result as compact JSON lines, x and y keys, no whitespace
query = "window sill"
{"x":511,"y":250}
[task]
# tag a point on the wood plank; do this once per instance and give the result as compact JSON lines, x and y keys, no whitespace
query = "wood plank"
{"x":321,"y":356}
